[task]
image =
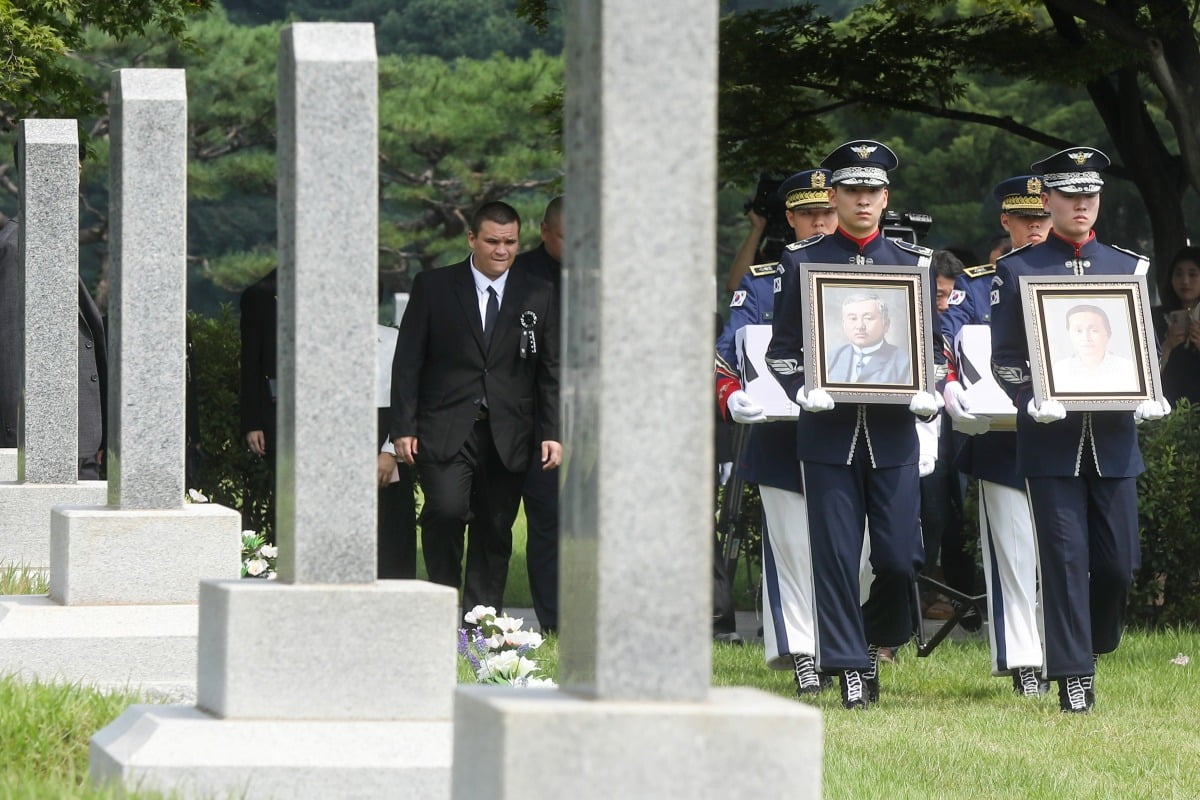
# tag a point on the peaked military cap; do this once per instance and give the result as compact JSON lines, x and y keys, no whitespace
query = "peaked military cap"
{"x":862,"y":162}
{"x":1075,"y":170}
{"x":1021,"y":195}
{"x":807,"y":189}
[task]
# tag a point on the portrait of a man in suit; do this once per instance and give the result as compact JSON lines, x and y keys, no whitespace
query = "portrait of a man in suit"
{"x":476,"y":360}
{"x":867,"y":356}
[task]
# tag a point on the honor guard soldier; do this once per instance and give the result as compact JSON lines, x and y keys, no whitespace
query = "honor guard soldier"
{"x":1006,"y":530}
{"x":1081,"y":466}
{"x":769,"y":456}
{"x":859,"y":462}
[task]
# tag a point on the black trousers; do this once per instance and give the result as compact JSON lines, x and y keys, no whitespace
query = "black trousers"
{"x":842,"y":499}
{"x":540,"y":494}
{"x":1087,"y":540}
{"x":396,"y":528}
{"x":474,"y":487}
{"x":942,"y":519}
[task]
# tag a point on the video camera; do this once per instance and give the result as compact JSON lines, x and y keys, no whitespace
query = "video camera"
{"x":909,"y":226}
{"x":769,"y":205}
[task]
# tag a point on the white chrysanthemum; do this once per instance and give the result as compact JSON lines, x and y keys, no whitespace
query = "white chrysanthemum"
{"x":268,"y":551}
{"x":477,"y":614}
{"x":256,"y":566}
{"x":508,"y":665}
{"x":539,"y":683}
{"x":521,"y":638}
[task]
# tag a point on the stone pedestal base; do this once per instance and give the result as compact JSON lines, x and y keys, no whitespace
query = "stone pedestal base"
{"x":186,"y":753}
{"x":8,"y":464}
{"x":25,"y":516}
{"x":512,"y":743}
{"x":374,"y":651}
{"x":101,"y":555}
{"x":109,"y":647}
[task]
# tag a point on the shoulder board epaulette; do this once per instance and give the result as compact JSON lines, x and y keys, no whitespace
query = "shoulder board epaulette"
{"x":1015,"y":250}
{"x":762,"y":270}
{"x":806,"y":242}
{"x":917,"y":249}
{"x":1127,"y":252}
{"x":979,"y":271}
{"x":1143,"y":263}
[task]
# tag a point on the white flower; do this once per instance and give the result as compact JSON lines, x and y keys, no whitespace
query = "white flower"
{"x":196,"y":497}
{"x":522,"y":638}
{"x":509,"y":624}
{"x":256,"y":566}
{"x":495,"y":641}
{"x":268,"y":551}
{"x":508,"y":665}
{"x":1180,"y":660}
{"x":271,"y":575}
{"x":476,"y":614}
{"x":544,"y":683}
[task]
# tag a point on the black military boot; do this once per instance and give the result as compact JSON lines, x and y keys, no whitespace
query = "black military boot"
{"x":871,"y":676}
{"x":854,"y":690}
{"x":808,"y":680}
{"x":1027,"y":682}
{"x":1073,"y":697}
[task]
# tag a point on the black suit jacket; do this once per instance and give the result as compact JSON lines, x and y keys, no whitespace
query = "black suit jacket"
{"x":442,"y":370}
{"x":258,"y":306}
{"x":93,"y":360}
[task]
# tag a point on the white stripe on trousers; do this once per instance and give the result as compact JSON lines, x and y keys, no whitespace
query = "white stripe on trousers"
{"x":787,"y":537}
{"x":1007,"y":539}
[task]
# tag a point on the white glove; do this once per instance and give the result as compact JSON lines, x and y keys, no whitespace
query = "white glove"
{"x":816,"y":400}
{"x":1151,"y":409}
{"x":743,"y":409}
{"x":927,"y":443}
{"x":923,"y":404}
{"x":1049,"y":411}
{"x":956,"y":406}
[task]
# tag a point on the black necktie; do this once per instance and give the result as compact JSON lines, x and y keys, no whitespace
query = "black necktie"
{"x":489,"y":316}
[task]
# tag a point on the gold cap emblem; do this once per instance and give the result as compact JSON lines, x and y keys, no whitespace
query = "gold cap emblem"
{"x":1079,"y":157}
{"x":818,"y":180}
{"x":1034,"y":186}
{"x":863,"y":151}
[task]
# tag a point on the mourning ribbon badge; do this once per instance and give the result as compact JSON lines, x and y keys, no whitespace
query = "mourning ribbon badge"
{"x":528,"y":340}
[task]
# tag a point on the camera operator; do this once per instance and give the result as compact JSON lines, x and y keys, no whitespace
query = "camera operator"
{"x":771,"y":230}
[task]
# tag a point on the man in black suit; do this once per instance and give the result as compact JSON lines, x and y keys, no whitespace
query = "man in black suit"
{"x":256,"y":398}
{"x":476,"y":361}
{"x":540,"y":492}
{"x":93,"y":361}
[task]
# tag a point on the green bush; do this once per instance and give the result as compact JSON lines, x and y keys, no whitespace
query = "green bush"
{"x":225,"y":470}
{"x":1166,"y":590}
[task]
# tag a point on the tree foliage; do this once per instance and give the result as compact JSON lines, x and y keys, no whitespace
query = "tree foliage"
{"x":38,"y":77}
{"x":445,"y":28}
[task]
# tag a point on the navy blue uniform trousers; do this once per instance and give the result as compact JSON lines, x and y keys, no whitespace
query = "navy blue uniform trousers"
{"x":1087,"y":532}
{"x":840,"y":497}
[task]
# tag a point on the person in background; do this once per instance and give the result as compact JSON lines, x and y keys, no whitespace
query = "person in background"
{"x":1007,"y":541}
{"x":768,"y":458}
{"x":540,"y":492}
{"x":93,"y":356}
{"x":1177,"y":325}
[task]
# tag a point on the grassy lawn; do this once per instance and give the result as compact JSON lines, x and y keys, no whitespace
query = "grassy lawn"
{"x":943,"y":729}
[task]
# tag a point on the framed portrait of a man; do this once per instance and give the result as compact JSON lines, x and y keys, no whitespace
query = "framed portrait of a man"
{"x":870,"y":334}
{"x":1091,"y":344}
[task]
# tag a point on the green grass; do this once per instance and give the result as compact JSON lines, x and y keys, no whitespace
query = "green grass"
{"x":943,"y":729}
{"x":19,"y":580}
